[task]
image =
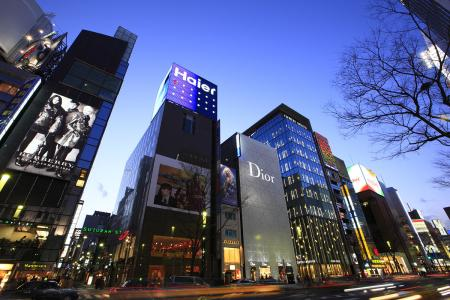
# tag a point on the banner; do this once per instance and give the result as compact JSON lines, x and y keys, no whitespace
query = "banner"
{"x":228,"y":187}
{"x":179,"y":186}
{"x":55,"y":139}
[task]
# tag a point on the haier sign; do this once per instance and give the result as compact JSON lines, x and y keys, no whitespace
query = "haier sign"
{"x":185,"y":88}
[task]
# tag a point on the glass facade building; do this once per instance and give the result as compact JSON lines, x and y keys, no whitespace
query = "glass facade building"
{"x":315,"y":230}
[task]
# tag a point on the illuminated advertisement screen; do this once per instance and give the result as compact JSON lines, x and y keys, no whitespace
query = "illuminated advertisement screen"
{"x":228,"y":187}
{"x":364,"y":179}
{"x":55,"y":139}
{"x":325,"y":149}
{"x":179,"y":186}
{"x":189,"y":90}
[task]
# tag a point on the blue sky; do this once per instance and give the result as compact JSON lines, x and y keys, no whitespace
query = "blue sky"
{"x":259,"y":53}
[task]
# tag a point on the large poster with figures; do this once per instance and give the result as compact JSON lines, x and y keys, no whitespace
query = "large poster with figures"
{"x":179,"y":186}
{"x":228,"y":186}
{"x":56,"y":138}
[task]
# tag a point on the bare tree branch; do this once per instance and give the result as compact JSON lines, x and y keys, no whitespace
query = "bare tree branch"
{"x":389,"y":90}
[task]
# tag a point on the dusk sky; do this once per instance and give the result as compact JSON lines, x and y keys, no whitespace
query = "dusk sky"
{"x":259,"y":53}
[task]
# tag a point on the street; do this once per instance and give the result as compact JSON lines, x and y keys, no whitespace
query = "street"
{"x":407,"y":287}
{"x":399,"y":288}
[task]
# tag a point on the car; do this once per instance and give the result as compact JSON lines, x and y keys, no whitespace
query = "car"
{"x":269,"y":281}
{"x":186,"y":282}
{"x":242,"y":282}
{"x":27,"y":288}
{"x":46,"y":290}
{"x":135,"y":283}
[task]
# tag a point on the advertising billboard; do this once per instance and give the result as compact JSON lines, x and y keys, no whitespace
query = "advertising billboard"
{"x":420,"y":225}
{"x":364,"y":179}
{"x":55,"y":139}
{"x":179,"y":186}
{"x":325,"y":150}
{"x":187,"y":89}
{"x":228,"y":187}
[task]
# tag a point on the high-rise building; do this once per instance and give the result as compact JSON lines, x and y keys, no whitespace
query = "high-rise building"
{"x":447,"y":211}
{"x":46,"y":159}
{"x":382,"y":224}
{"x":315,"y":228}
{"x":410,"y":238}
{"x":435,"y":14}
{"x":17,"y":88}
{"x":367,"y":255}
{"x":257,"y":195}
{"x":167,"y":199}
{"x":26,"y":22}
{"x":30,"y":41}
{"x":437,"y":251}
{"x":334,"y":184}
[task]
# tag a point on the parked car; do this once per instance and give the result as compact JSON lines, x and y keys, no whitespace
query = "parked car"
{"x":269,"y":281}
{"x":186,"y":282}
{"x":243,"y":282}
{"x":27,"y":288}
{"x":46,"y":290}
{"x":135,"y":283}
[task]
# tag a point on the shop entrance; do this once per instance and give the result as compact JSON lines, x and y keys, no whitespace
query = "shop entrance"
{"x":264,"y":272}
{"x":5,"y":272}
{"x":253,"y":273}
{"x":156,"y":275}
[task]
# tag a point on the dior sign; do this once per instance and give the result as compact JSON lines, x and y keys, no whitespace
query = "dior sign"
{"x":256,"y":171}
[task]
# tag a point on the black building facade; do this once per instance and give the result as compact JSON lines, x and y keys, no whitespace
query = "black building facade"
{"x":167,"y":196}
{"x":47,"y":157}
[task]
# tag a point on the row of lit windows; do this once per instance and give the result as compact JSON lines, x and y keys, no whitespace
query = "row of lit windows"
{"x":8,"y":88}
{"x":319,"y":239}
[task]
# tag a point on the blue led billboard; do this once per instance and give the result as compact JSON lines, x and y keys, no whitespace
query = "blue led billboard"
{"x":189,"y":90}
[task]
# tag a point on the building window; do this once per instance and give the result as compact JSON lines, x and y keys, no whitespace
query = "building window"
{"x":93,"y":81}
{"x":189,"y":124}
{"x":230,"y":215}
{"x":231,"y":255}
{"x":8,"y":88}
{"x":231,"y":234}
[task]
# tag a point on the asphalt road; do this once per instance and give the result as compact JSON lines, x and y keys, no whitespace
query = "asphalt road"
{"x":410,"y":289}
{"x":427,"y":288}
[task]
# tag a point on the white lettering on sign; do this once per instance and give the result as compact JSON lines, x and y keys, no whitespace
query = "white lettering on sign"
{"x":256,"y":171}
{"x":198,"y":83}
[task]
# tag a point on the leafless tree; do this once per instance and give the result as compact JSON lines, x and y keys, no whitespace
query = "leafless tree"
{"x":443,"y":163}
{"x":395,"y":84}
{"x":200,"y":226}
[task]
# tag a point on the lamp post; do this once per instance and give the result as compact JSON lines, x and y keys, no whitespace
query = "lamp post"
{"x":172,"y":233}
